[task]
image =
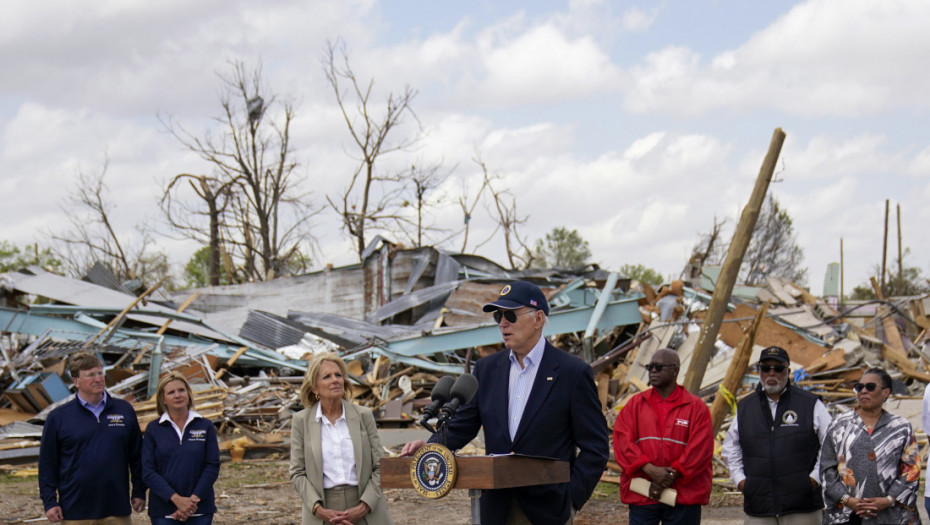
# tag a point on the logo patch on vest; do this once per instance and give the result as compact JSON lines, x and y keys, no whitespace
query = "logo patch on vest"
{"x":790,"y":418}
{"x":681,"y":422}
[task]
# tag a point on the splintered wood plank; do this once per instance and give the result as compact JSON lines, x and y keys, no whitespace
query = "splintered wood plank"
{"x":835,"y":358}
{"x":770,"y":333}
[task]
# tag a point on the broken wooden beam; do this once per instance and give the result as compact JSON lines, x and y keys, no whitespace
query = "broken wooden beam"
{"x":726,"y":391}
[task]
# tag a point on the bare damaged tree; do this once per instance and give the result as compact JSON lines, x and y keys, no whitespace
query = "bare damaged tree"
{"x":420,"y":183}
{"x":264,"y":219}
{"x":504,"y":210}
{"x":709,"y":250}
{"x":374,"y":196}
{"x":468,"y":208}
{"x":773,"y":249}
{"x":509,"y":220}
{"x":187,"y":219}
{"x":907,"y":282}
{"x":93,"y":236}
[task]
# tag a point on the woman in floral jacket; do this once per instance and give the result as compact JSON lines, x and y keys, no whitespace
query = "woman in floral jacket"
{"x":869,"y":463}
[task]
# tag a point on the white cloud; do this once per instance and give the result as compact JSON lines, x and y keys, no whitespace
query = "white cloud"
{"x":692,"y":155}
{"x":141,"y":57}
{"x":664,"y":75}
{"x":638,"y":20}
{"x":44,"y":149}
{"x":920,"y":164}
{"x":825,"y":157}
{"x":544,"y":65}
{"x":535,"y":91}
{"x":641,"y":147}
{"x":824,"y":57}
{"x":642,"y":206}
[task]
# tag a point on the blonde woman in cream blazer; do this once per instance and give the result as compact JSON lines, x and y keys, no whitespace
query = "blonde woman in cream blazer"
{"x":326,"y":393}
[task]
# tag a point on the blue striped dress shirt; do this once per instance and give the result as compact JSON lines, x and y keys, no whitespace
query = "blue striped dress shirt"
{"x":521,"y":383}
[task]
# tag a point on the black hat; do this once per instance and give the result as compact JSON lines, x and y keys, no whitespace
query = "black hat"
{"x":517,"y":294}
{"x":776,"y":353}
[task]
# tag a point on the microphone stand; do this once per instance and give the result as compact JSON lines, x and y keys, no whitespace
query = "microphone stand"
{"x":425,"y":424}
{"x":441,"y":430}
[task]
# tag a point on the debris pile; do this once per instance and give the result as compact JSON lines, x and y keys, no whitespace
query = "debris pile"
{"x":831,"y":345}
{"x":402,"y":319}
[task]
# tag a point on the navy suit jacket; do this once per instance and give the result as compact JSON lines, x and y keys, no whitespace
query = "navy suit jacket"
{"x":562,"y":414}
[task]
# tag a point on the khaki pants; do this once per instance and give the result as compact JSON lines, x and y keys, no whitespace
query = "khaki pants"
{"x":109,"y":520}
{"x":343,"y":497}
{"x":517,"y":517}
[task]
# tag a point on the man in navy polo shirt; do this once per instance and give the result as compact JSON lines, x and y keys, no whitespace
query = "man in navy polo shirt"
{"x":90,"y":448}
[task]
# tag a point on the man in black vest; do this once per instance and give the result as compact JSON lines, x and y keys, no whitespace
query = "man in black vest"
{"x":773,"y":447}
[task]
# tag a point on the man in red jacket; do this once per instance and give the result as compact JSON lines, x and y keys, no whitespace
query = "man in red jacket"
{"x":665,"y":436}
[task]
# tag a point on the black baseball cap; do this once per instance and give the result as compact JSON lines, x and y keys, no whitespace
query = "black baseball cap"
{"x":775,"y":352}
{"x":517,"y":294}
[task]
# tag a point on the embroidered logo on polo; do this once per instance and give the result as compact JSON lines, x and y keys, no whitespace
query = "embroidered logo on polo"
{"x":116,"y":420}
{"x":433,"y":470}
{"x":790,"y":418}
{"x":197,"y":435}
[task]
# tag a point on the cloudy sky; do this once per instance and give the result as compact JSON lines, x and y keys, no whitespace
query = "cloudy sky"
{"x":636,"y":123}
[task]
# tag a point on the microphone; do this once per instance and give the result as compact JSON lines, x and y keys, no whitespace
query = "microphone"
{"x":462,"y":391}
{"x":440,"y":396}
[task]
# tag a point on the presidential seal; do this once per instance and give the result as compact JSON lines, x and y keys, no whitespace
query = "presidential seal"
{"x":433,"y":471}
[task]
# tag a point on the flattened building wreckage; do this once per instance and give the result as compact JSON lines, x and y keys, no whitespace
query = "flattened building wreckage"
{"x":403,"y":318}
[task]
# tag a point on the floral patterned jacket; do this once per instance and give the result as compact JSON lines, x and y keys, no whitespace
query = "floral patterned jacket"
{"x":856,"y":463}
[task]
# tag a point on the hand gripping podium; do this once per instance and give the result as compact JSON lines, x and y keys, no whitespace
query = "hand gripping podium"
{"x":476,"y":473}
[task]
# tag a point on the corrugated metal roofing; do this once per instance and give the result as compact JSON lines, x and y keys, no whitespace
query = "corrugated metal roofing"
{"x":342,"y":330}
{"x":37,"y":281}
{"x":271,"y":330}
{"x":102,"y":276}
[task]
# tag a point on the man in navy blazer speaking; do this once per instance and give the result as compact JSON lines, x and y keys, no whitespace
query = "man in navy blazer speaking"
{"x":532,"y":399}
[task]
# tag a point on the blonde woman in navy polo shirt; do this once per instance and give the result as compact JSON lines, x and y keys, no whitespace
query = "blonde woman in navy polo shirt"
{"x":180,"y":458}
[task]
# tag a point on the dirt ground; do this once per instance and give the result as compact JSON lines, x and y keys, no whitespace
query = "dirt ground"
{"x":255,"y":491}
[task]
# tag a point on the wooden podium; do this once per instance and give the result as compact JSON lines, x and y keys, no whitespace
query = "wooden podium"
{"x":483,"y":472}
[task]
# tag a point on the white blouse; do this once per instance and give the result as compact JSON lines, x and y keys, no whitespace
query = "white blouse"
{"x":338,"y":453}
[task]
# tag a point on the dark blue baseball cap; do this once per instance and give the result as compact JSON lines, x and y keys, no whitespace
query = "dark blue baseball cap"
{"x":776,"y":353}
{"x":517,"y":294}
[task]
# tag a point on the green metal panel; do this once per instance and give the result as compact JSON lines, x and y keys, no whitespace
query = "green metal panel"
{"x":618,"y":313}
{"x":84,"y":327}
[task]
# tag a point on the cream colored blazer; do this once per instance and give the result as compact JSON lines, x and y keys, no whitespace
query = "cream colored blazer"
{"x":306,"y":468}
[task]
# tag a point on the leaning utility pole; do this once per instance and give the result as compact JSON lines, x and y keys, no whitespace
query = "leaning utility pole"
{"x":900,"y":287}
{"x":885,"y":246}
{"x":730,"y":270}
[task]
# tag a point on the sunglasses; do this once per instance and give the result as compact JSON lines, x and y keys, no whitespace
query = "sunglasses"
{"x":657,"y":367}
{"x":768,"y":368}
{"x":859,"y":387}
{"x":509,"y":315}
